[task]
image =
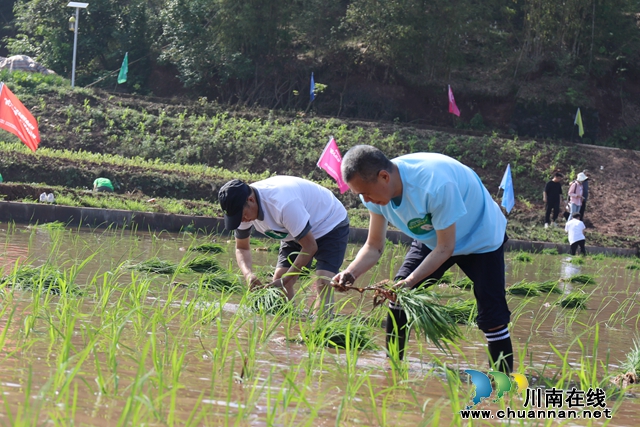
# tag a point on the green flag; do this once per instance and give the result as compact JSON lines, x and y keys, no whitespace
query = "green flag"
{"x":122,"y":77}
{"x":578,"y":121}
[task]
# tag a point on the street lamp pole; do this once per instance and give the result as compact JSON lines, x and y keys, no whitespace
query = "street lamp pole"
{"x":78,"y":6}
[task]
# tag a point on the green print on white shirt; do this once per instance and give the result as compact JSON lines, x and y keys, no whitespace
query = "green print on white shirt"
{"x":421,"y":225}
{"x":279,"y":235}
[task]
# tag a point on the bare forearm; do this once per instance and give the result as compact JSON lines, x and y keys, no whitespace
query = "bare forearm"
{"x":243,"y":257}
{"x":429,"y":265}
{"x":366,"y":258}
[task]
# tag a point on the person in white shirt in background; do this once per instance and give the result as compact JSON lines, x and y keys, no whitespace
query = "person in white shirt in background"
{"x":575,"y":228}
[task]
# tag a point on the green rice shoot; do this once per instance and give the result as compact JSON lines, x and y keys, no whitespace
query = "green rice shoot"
{"x":462,"y":311}
{"x":334,"y":333}
{"x":203,"y":264}
{"x":268,"y":300}
{"x":154,"y":265}
{"x":586,"y":279}
{"x":447,"y":277}
{"x":523,"y":257}
{"x":525,"y":288}
{"x":632,"y":364}
{"x":209,"y":248}
{"x":549,"y":286}
{"x":577,"y":260}
{"x":220,"y":282}
{"x":576,"y":299}
{"x":633,"y":266}
{"x":549,"y":251}
{"x":463,"y":283}
{"x":430,"y":319}
{"x":29,"y":278}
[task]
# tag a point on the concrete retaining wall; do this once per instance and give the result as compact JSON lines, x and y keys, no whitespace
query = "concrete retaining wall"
{"x":94,"y":217}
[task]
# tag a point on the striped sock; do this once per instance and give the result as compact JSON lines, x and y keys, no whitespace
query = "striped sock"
{"x":500,"y":350}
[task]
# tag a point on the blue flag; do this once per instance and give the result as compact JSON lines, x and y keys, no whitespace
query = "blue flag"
{"x":508,"y":200}
{"x":313,"y":89}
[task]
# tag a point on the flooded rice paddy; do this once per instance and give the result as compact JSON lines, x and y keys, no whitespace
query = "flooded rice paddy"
{"x":109,"y":345}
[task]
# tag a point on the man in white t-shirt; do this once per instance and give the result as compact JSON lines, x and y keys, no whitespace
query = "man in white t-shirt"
{"x":575,"y":228}
{"x":445,"y":208}
{"x":308,"y":219}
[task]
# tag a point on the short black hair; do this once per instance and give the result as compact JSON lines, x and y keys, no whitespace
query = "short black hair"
{"x":366,"y":161}
{"x":559,"y":175}
{"x":576,"y":215}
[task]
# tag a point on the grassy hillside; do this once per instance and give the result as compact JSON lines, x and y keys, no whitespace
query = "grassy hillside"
{"x":186,"y":150}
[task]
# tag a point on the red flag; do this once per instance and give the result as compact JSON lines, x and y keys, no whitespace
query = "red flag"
{"x":330,"y":161}
{"x":15,"y":118}
{"x":453,"y":108}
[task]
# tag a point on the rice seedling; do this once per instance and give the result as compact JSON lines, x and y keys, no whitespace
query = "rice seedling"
{"x":549,"y":286}
{"x":430,"y":319}
{"x":210,"y":248}
{"x":154,"y":265}
{"x":462,"y":311}
{"x":549,"y":251}
{"x":577,"y":260}
{"x":268,"y":300}
{"x":55,"y":225}
{"x":447,"y":277}
{"x":339,"y":332}
{"x":524,"y":288}
{"x":220,"y":282}
{"x":203,"y":264}
{"x":633,"y":266}
{"x":522,"y":257}
{"x":42,"y":278}
{"x":463,"y":283}
{"x":576,"y":299}
{"x":586,"y":279}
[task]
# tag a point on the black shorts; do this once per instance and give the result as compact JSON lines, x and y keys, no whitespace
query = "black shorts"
{"x":330,"y":254}
{"x":104,"y":190}
{"x":485,"y":270}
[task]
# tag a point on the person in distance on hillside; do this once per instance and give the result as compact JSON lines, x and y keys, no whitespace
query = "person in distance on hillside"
{"x":585,"y":195}
{"x":102,"y":185}
{"x":576,"y":194}
{"x":445,"y":208}
{"x":308,"y":219}
{"x":552,"y":197}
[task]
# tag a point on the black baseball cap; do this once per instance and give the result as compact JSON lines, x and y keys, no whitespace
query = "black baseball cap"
{"x":232,"y":197}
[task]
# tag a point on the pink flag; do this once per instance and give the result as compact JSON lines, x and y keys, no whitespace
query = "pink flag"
{"x":330,"y":160}
{"x":15,"y":118}
{"x":453,"y":108}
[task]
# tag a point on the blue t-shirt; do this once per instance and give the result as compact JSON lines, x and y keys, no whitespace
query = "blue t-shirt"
{"x":438,"y":191}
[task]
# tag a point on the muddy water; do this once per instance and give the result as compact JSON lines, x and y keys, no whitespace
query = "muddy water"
{"x":540,"y":331}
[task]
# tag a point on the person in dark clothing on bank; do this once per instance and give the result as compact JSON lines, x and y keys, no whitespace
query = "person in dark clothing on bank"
{"x":552,"y":196}
{"x":585,"y":194}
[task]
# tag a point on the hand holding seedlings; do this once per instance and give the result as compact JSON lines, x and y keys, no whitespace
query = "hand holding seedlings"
{"x":341,"y":281}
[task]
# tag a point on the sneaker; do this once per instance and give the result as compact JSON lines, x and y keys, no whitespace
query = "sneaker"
{"x":546,"y":225}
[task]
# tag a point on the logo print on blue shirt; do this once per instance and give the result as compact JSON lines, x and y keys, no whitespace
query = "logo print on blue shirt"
{"x":421,"y":225}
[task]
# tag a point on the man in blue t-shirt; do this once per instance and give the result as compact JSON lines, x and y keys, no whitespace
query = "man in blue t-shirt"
{"x":445,"y":208}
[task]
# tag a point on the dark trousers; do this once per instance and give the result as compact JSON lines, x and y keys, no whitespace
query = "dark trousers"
{"x":582,"y":208}
{"x":574,"y":247}
{"x":485,"y":270}
{"x":556,"y":212}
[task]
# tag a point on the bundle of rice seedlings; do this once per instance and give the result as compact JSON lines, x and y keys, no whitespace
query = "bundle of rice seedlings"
{"x":447,"y":277}
{"x":523,"y":257}
{"x":427,"y":317}
{"x":334,"y":333}
{"x":220,"y":282}
{"x":529,"y":289}
{"x":549,"y":251}
{"x":462,"y":311}
{"x":209,"y":248}
{"x":577,"y":261}
{"x":154,"y":265}
{"x":575,"y":299}
{"x":29,"y":278}
{"x":633,"y":266}
{"x":274,"y":248}
{"x":632,"y":364}
{"x":203,"y":264}
{"x":586,"y":279}
{"x":268,"y":300}
{"x":55,"y":225}
{"x":464,"y":283}
{"x":550,"y":286}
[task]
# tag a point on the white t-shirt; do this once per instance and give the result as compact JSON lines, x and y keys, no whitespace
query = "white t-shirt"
{"x":575,"y":229}
{"x":287,"y":204}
